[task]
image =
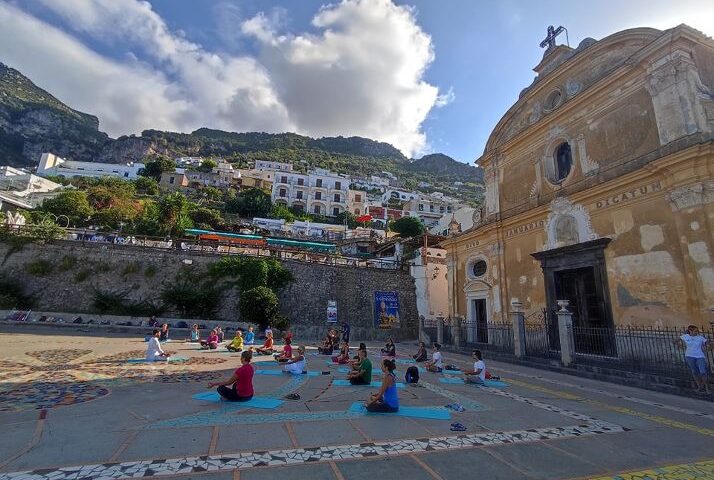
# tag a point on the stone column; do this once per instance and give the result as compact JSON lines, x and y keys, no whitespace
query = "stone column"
{"x":518,"y":319}
{"x":456,"y":331}
{"x":440,"y":330}
{"x":565,"y":329}
{"x":421,"y":329}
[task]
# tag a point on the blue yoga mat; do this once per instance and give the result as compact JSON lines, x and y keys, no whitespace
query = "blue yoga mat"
{"x":487,"y":383}
{"x":405,"y":361}
{"x":434,"y":413}
{"x":143,"y":360}
{"x":255,"y":402}
{"x":375,"y":383}
{"x":281,"y":373}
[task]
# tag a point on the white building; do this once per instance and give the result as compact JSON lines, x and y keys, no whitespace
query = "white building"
{"x":21,"y":189}
{"x":51,"y":164}
{"x":464,"y":216}
{"x":319,"y":192}
{"x":188,"y":161}
{"x":277,"y":166}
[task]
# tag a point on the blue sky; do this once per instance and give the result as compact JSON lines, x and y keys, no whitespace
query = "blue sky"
{"x":425,"y":75}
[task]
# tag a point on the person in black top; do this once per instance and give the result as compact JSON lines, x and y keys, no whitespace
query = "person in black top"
{"x":421,"y":354}
{"x":389,"y":349}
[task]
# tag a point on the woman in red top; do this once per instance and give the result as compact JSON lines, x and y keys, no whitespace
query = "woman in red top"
{"x":242,"y":381}
{"x":267,"y":348}
{"x":287,"y":354}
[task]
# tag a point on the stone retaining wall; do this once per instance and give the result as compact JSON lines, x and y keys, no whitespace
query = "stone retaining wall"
{"x":304,"y":301}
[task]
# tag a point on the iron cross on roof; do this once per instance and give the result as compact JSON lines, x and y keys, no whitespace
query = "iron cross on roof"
{"x":550,"y":38}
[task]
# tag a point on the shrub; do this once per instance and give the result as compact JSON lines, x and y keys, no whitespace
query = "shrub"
{"x":67,"y":263}
{"x":39,"y":268}
{"x":259,"y":305}
{"x":191,"y":297}
{"x":150,"y":271}
{"x":119,"y":303}
{"x":12,"y":295}
{"x":82,"y":275}
{"x":102,"y":267}
{"x":131,"y":268}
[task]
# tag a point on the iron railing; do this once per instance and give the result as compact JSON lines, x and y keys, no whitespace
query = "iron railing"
{"x":653,"y":350}
{"x":429,"y":329}
{"x":541,"y":335}
{"x":116,"y":240}
{"x":493,"y":336}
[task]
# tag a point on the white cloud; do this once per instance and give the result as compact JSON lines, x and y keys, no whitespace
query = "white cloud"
{"x":361,"y":74}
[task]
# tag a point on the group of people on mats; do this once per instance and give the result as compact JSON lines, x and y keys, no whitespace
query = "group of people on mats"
{"x":239,"y":386}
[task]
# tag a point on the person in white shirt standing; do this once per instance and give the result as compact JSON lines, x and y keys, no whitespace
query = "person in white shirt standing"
{"x":478,"y":374}
{"x":695,"y":356}
{"x":154,"y":351}
{"x":437,"y":362}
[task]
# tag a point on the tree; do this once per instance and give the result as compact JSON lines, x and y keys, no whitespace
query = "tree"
{"x":259,"y":305}
{"x":173,"y":214}
{"x":408,"y":227}
{"x":146,"y":185}
{"x":348,"y":218}
{"x":71,"y":203}
{"x":250,"y":203}
{"x":208,"y":165}
{"x":212,"y":194}
{"x":204,"y":217}
{"x":156,"y":166}
{"x":281,"y":211}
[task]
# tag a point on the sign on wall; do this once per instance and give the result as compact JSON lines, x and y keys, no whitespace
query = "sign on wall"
{"x":386,"y":310}
{"x":331,"y":311}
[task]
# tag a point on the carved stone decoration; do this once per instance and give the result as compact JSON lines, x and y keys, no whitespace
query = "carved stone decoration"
{"x":690,"y":196}
{"x":674,"y":82}
{"x":572,"y":87}
{"x":491,"y":196}
{"x":587,"y":165}
{"x":535,"y":114}
{"x":477,"y":216}
{"x":568,"y":223}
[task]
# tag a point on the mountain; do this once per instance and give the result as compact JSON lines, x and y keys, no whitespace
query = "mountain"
{"x":32,"y":121}
{"x":446,"y":167}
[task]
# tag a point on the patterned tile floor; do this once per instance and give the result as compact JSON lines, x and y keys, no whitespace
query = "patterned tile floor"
{"x":230,"y":462}
{"x":60,"y":377}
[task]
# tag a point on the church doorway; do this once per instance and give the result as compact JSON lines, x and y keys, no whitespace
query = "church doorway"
{"x":577,"y":273}
{"x":479,"y":320}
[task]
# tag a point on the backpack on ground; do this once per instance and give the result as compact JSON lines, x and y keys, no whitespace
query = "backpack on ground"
{"x":412,"y":375}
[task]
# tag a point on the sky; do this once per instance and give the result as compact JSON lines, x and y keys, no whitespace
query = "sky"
{"x":426,"y":76}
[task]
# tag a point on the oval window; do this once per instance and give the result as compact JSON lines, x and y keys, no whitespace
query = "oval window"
{"x":553,"y":100}
{"x":563,"y":161}
{"x":479,"y":268}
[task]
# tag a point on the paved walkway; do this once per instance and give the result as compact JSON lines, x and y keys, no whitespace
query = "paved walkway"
{"x":72,"y":407}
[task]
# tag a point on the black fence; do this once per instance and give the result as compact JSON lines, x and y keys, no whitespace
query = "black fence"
{"x":654,"y":350}
{"x":495,"y":337}
{"x":542,"y":339}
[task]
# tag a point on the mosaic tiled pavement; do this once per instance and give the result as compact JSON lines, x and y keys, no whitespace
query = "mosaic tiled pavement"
{"x":79,"y":410}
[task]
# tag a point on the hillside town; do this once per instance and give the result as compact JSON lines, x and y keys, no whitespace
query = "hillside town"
{"x":253,"y":263}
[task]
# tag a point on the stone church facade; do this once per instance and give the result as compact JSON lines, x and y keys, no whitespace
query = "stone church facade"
{"x":599,"y":189}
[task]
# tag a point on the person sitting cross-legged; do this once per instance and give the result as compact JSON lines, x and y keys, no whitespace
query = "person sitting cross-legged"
{"x":436,"y":364}
{"x":287,"y":352}
{"x":153,"y":350}
{"x":478,"y":374}
{"x":241,"y":381}
{"x":267,"y":348}
{"x":237,"y":344}
{"x":211,"y":342}
{"x":298,"y":364}
{"x":420,"y":356}
{"x":344,"y":356}
{"x":389,"y":349}
{"x":362,"y":375}
{"x":387,"y":400}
